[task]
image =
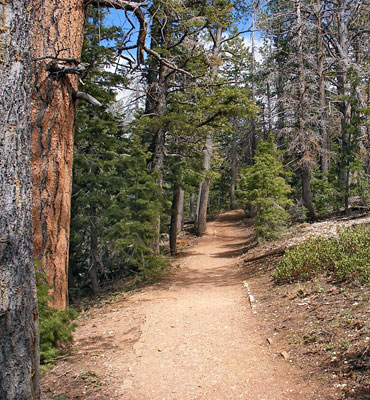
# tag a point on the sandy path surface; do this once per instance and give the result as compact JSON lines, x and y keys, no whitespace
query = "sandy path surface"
{"x":192,"y":336}
{"x":198,"y":340}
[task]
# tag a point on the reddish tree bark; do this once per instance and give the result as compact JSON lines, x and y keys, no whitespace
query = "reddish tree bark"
{"x":58,"y":36}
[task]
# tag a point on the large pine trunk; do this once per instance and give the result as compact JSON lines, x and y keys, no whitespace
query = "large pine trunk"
{"x":19,"y":345}
{"x":58,"y":35}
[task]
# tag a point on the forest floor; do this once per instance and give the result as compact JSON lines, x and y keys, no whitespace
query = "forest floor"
{"x":217,"y":327}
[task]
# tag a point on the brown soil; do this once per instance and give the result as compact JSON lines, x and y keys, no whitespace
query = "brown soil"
{"x":195,"y":336}
{"x":324,"y":325}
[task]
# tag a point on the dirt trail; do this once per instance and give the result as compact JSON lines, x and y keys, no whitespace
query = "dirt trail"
{"x":190,"y":337}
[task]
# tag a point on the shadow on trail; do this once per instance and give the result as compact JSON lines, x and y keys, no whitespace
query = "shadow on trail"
{"x":217,"y":277}
{"x":231,"y":216}
{"x":189,"y":253}
{"x":237,"y":249}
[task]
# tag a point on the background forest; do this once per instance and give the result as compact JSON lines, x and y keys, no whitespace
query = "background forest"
{"x":209,"y":121}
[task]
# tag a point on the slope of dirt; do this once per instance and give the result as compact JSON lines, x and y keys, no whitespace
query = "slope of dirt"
{"x":323,"y":325}
{"x":191,"y":337}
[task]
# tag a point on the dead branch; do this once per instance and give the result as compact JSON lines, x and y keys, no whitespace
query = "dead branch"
{"x":134,"y":7}
{"x":279,"y":251}
{"x":84,"y":96}
{"x":59,"y":68}
{"x":166,"y":62}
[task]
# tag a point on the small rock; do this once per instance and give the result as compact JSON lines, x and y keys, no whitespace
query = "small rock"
{"x":285,"y":355}
{"x":269,"y":340}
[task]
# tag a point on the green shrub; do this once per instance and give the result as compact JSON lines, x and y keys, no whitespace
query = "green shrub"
{"x":345,"y":257}
{"x":264,"y":190}
{"x":55,"y":326}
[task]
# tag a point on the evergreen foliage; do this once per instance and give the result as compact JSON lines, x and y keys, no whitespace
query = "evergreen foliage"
{"x":264,"y":191}
{"x":55,"y":326}
{"x":115,"y":199}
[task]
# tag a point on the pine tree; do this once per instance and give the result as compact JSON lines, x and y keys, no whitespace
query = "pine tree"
{"x":115,"y":199}
{"x":264,"y":190}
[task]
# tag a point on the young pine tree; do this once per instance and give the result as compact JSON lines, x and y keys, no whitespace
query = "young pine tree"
{"x":264,"y":190}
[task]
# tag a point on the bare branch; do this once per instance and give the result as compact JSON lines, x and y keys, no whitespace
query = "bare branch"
{"x":166,"y":62}
{"x":135,"y":7}
{"x":84,"y":96}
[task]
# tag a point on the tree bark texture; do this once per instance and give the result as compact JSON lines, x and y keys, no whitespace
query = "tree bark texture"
{"x":174,"y":226}
{"x":306,"y":189}
{"x":234,"y":171}
{"x":19,"y":343}
{"x":58,"y":35}
{"x":202,"y":203}
{"x":192,"y":206}
{"x":180,"y":214}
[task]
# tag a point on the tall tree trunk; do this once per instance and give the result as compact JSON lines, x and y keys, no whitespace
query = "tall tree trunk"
{"x":192,"y":206}
{"x":323,"y":115}
{"x":306,"y":188}
{"x":344,"y":88}
{"x":269,"y":109}
{"x":233,"y":173}
{"x":202,"y":203}
{"x":253,"y":122}
{"x":174,"y":225}
{"x":156,"y":104}
{"x":159,"y":138}
{"x":180,"y":214}
{"x":281,"y":116}
{"x":202,"y":208}
{"x":302,"y":135}
{"x":19,"y":342}
{"x":58,"y":34}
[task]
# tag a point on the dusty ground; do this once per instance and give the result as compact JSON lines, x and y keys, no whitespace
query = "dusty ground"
{"x":195,"y":336}
{"x":323,"y":325}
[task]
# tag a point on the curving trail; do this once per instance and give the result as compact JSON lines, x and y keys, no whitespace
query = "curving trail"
{"x":193,"y":336}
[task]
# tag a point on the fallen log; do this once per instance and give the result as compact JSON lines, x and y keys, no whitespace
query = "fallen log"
{"x":274,"y":252}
